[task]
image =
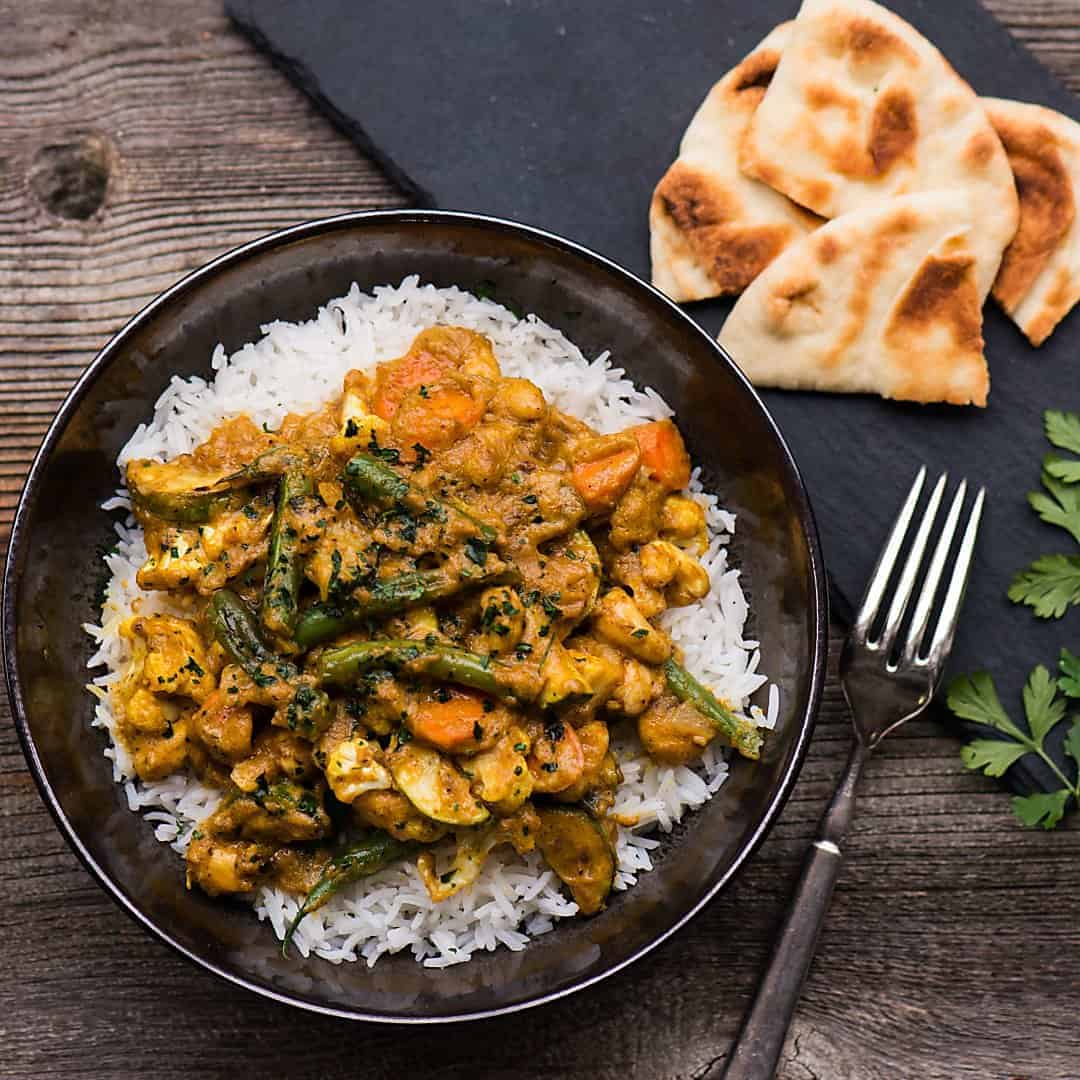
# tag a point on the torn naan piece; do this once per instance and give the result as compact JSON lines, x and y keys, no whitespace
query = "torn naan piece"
{"x":1039,"y":280}
{"x":883,"y":300}
{"x":712,"y":230}
{"x":862,"y":107}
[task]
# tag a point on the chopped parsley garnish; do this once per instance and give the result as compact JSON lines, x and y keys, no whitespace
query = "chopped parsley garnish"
{"x":476,"y":551}
{"x":550,"y":604}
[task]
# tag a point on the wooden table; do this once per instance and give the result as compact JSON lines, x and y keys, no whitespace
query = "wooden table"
{"x":137,"y":140}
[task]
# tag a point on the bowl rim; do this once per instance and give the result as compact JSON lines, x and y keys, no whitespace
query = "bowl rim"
{"x":17,"y":556}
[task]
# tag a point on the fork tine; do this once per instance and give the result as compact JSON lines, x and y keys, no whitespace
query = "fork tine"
{"x":950,"y":609}
{"x":906,"y":584}
{"x":925,"y":603}
{"x":879,"y":579}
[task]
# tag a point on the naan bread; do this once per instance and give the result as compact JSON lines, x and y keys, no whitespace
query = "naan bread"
{"x":882,"y":300}
{"x":1039,"y":279}
{"x":862,"y":107}
{"x":712,"y":229}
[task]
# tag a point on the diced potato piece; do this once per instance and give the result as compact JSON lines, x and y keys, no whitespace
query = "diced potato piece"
{"x":393,"y":813}
{"x":225,"y":866}
{"x":679,"y":574}
{"x":674,"y":732}
{"x":617,"y":619}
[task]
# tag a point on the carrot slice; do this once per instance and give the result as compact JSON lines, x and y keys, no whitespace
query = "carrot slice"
{"x":601,"y":482}
{"x":664,"y":453}
{"x":453,"y":725}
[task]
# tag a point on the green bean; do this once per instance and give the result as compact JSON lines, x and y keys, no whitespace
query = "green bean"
{"x":323,"y":621}
{"x":446,"y":663}
{"x":743,"y":736}
{"x":238,"y":634}
{"x":183,"y":507}
{"x":234,"y":626}
{"x":199,"y":504}
{"x":374,"y":481}
{"x":284,"y":572}
{"x":368,"y":856}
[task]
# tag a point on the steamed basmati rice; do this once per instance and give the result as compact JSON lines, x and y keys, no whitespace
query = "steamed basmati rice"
{"x":295,"y":368}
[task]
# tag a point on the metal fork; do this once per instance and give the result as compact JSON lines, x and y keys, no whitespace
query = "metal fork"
{"x":884,"y":686}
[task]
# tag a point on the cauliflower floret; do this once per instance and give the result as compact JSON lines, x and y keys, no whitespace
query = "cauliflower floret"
{"x":353,"y":767}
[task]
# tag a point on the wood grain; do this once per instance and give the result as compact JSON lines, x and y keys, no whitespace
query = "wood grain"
{"x":951,"y":947}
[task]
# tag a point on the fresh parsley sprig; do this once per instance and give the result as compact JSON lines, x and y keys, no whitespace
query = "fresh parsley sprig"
{"x":1046,"y":706}
{"x":1051,"y":584}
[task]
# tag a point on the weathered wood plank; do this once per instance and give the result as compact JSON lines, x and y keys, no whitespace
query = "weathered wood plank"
{"x":950,"y":949}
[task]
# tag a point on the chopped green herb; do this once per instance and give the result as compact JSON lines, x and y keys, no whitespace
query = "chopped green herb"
{"x":476,"y":551}
{"x":550,"y":604}
{"x":974,"y":697}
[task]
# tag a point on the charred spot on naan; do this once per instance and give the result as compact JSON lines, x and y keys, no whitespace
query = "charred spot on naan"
{"x":793,"y":302}
{"x":1058,"y":303}
{"x":820,"y":96}
{"x":866,"y":41}
{"x":893,"y":129}
{"x":751,"y":78}
{"x":1047,"y":208}
{"x":980,"y":150}
{"x":892,"y":137}
{"x":935,"y":331}
{"x":705,"y":214}
{"x":875,"y":261}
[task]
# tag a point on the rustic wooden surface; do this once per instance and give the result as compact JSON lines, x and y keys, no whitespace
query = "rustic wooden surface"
{"x":136,"y":141}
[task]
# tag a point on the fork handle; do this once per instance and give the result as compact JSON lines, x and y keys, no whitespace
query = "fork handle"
{"x":757,"y":1049}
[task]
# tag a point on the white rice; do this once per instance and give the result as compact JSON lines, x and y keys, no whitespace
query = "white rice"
{"x":297,"y":367}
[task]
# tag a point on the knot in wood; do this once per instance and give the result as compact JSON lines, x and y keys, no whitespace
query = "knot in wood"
{"x":70,"y":178}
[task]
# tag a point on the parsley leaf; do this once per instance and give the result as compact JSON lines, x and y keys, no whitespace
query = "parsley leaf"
{"x":1049,"y":585}
{"x":1064,"y":469}
{"x":1043,"y":708}
{"x":1063,"y":429}
{"x":991,"y":756}
{"x":1062,"y":506}
{"x":1069,"y":680}
{"x":1072,"y":742}
{"x":974,"y":697}
{"x":1042,"y":808}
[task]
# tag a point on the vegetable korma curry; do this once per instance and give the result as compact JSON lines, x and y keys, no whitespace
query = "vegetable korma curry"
{"x":416,"y":613}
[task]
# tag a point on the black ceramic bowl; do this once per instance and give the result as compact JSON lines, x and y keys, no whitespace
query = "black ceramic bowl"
{"x":54,"y":572}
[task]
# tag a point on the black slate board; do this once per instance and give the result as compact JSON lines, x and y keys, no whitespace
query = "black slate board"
{"x":564,"y":114}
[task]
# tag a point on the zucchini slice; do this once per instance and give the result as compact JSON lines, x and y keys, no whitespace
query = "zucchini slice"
{"x":578,"y":850}
{"x":435,"y":786}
